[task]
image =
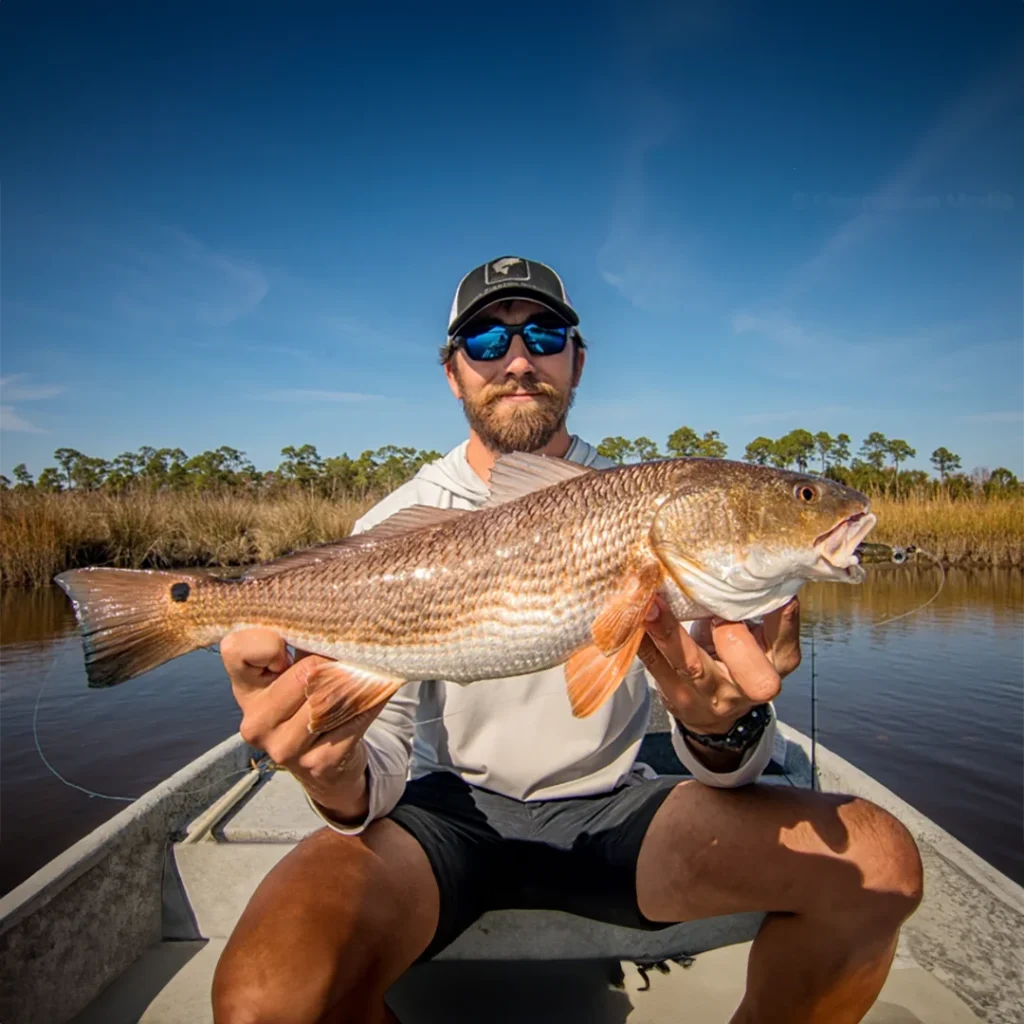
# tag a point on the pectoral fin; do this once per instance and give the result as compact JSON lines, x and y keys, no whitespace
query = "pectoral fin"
{"x":591,"y":677}
{"x":593,"y":673}
{"x":624,"y":612}
{"x":338,"y":693}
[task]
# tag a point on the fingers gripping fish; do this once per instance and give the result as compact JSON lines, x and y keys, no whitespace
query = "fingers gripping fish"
{"x":559,"y":566}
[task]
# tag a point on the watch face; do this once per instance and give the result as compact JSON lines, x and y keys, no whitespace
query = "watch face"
{"x":746,"y":731}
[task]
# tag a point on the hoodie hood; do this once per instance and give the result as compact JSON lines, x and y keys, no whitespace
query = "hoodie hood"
{"x":453,"y":472}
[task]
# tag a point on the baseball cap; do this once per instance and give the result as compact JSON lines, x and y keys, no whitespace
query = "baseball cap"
{"x":508,"y":277}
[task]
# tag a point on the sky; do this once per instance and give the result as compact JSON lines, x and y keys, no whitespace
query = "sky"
{"x":243,"y":224}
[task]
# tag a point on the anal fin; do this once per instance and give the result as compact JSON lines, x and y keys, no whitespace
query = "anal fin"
{"x":591,"y":676}
{"x":337,"y":693}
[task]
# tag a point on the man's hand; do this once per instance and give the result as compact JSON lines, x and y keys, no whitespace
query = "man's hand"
{"x":270,"y":690}
{"x":712,"y":678}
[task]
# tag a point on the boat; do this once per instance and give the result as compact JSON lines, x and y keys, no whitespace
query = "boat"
{"x":127,"y":925}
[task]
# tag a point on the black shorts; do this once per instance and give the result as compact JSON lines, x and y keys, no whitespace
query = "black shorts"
{"x":492,"y":852}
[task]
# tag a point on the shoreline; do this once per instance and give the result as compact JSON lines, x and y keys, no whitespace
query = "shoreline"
{"x":45,"y":534}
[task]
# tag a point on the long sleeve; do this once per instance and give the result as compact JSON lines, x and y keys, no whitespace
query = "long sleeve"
{"x":754,"y":760}
{"x":388,"y":750}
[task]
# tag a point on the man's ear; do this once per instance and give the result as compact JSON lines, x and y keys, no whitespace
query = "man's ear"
{"x":579,"y":358}
{"x":453,"y":377}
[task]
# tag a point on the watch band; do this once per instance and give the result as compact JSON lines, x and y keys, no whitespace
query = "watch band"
{"x":744,"y":734}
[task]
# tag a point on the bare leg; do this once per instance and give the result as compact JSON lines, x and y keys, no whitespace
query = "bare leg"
{"x":838,"y":875}
{"x":328,"y":931}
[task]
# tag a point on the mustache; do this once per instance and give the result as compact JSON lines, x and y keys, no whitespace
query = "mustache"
{"x":525,"y":385}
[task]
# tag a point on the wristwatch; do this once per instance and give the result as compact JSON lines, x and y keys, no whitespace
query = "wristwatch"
{"x":744,"y":734}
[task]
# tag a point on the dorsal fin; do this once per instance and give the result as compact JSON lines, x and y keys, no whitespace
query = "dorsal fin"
{"x":520,"y":473}
{"x":415,"y":517}
{"x":406,"y":520}
{"x":308,"y":556}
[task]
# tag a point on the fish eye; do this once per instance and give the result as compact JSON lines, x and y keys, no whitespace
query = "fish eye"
{"x":806,"y":493}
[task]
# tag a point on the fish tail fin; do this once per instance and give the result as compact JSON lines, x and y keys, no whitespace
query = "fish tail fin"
{"x":132,"y":620}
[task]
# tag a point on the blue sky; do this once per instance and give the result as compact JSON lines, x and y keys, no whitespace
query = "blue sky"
{"x":242,"y":224}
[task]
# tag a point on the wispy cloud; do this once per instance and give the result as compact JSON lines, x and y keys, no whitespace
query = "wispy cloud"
{"x":1007,"y":416}
{"x":171,"y":278}
{"x":811,"y":414}
{"x":314,"y":395}
{"x":134,"y":281}
{"x":952,"y":130}
{"x":358,"y":332}
{"x":806,"y":342}
{"x":16,"y":388}
{"x":651,"y":261}
{"x":10,"y":420}
{"x":939,"y":357}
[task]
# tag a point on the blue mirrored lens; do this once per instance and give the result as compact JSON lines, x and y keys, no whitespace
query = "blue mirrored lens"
{"x":544,"y":341}
{"x":490,"y":344}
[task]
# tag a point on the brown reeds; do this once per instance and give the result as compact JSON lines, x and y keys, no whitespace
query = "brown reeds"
{"x":972,"y":531}
{"x":43,"y":534}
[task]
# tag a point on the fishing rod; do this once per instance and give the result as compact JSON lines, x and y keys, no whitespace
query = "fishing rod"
{"x":869,"y":554}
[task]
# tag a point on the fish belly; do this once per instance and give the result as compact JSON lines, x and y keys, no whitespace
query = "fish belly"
{"x":507,"y":641}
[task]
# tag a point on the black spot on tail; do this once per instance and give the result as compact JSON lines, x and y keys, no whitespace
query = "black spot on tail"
{"x":180,"y":591}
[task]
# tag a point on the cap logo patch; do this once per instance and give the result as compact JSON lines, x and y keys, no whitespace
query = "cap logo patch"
{"x":508,"y":268}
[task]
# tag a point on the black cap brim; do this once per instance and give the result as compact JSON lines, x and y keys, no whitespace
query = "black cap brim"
{"x":513,"y":290}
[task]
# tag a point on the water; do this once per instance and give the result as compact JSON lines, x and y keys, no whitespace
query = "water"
{"x":120,"y":741}
{"x":931,"y":706}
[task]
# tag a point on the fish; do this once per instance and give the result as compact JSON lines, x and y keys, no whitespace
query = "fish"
{"x":560,"y":565}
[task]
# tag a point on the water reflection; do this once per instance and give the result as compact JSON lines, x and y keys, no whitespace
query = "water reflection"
{"x":890,"y":591}
{"x":34,"y":616}
{"x":120,"y":740}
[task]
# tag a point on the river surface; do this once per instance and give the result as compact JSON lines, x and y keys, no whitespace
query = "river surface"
{"x":931,"y":705}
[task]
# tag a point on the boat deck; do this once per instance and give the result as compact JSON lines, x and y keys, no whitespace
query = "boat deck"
{"x":516,"y":965}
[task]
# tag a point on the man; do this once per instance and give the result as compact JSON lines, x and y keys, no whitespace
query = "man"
{"x":513,"y":802}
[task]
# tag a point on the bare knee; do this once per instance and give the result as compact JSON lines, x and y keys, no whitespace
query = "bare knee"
{"x":891,"y":876}
{"x":327,"y":932}
{"x":245,"y":991}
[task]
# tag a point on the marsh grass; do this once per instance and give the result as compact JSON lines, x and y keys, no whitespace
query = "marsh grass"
{"x":41,"y":535}
{"x":44,"y":534}
{"x":975,"y":531}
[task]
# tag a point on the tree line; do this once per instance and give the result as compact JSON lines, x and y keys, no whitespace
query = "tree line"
{"x":875,"y":466}
{"x":226,"y":469}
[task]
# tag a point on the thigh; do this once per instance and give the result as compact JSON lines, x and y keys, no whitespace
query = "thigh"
{"x":765,"y":848}
{"x":338,"y":917}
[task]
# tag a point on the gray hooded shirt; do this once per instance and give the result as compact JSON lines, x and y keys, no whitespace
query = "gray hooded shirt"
{"x":517,"y":735}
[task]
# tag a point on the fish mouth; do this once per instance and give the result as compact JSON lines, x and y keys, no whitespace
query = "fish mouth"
{"x":837,"y":548}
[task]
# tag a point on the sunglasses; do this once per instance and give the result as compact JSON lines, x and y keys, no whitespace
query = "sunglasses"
{"x":485,"y":343}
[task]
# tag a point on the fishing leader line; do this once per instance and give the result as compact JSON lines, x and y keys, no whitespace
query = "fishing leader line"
{"x":85,"y":789}
{"x":914,"y":611}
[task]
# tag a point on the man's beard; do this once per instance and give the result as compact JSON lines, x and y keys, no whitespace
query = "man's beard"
{"x":512,"y":427}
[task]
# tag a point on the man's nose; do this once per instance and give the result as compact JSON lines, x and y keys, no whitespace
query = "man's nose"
{"x":518,"y":359}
